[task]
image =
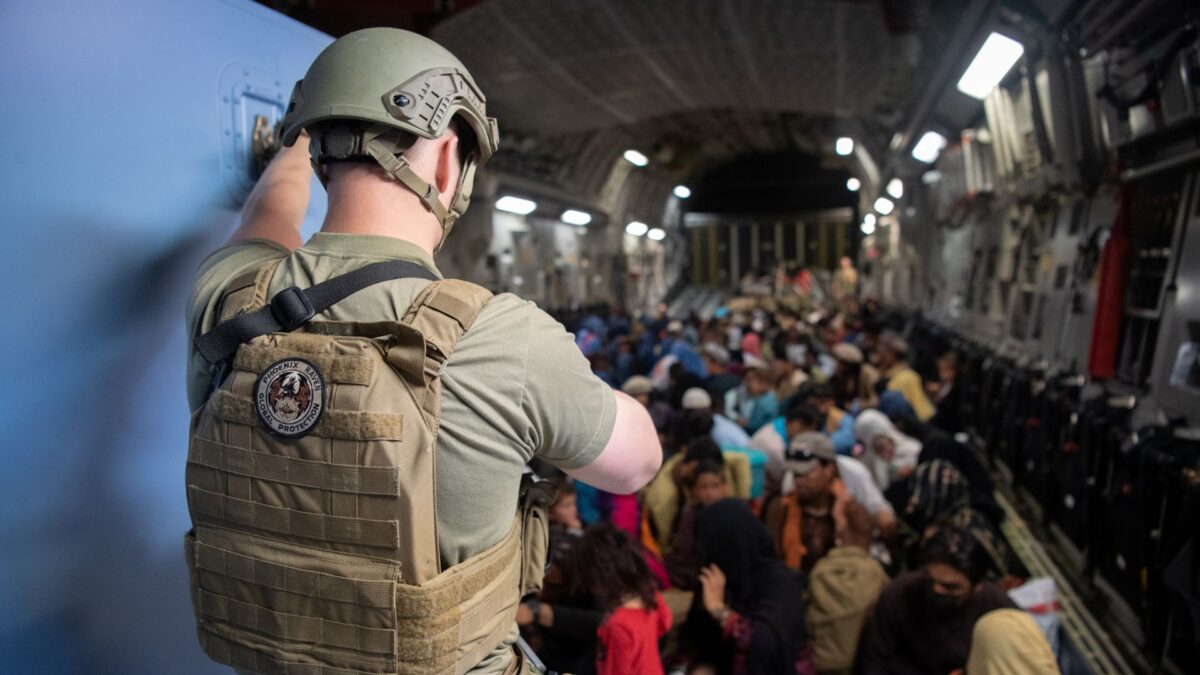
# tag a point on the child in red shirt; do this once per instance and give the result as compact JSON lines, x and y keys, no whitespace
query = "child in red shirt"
{"x":611,"y":567}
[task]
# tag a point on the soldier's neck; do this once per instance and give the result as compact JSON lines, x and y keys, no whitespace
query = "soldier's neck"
{"x":380,"y":207}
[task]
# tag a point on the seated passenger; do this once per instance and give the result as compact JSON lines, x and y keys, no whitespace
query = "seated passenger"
{"x":720,"y":381}
{"x":754,"y":402}
{"x":896,"y":375}
{"x":663,"y":498}
{"x":923,"y":620}
{"x":787,"y":368}
{"x":842,"y":590}
{"x":639,"y":387}
{"x":1009,"y":642}
{"x":610,"y":566}
{"x":773,"y":439}
{"x":748,"y":618}
{"x":682,"y":561}
{"x":809,"y":517}
{"x":853,"y":381}
{"x":888,"y":454}
{"x":946,"y":395}
{"x":565,"y":530}
{"x":560,"y":622}
{"x":838,"y":424}
{"x":725,"y":431}
{"x":983,"y":488}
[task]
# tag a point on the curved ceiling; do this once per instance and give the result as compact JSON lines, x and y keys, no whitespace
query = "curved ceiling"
{"x":691,"y":81}
{"x":693,"y":84}
{"x":550,"y":66}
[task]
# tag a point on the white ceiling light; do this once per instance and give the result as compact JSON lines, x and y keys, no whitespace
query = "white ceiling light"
{"x":869,"y":219}
{"x":516,"y":205}
{"x":931,"y":177}
{"x":845,"y":146}
{"x":884,"y":206}
{"x":868,"y":227}
{"x":995,"y":58}
{"x":576,"y":217}
{"x":895,"y":188}
{"x":929,"y":147}
{"x":853,"y":184}
{"x":683,"y":191}
{"x":656,"y":234}
{"x":636,"y":158}
{"x":637,"y":228}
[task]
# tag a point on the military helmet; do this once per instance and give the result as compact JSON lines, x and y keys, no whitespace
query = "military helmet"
{"x":369,"y":92}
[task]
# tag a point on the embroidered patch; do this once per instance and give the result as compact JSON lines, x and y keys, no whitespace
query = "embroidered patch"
{"x":289,"y":397}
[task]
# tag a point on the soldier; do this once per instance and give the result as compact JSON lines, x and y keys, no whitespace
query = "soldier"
{"x":361,"y":425}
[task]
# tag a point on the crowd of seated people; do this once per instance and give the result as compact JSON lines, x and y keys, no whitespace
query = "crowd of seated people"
{"x":815,"y":511}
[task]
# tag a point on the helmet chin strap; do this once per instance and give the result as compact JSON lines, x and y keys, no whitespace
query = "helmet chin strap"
{"x":386,"y":149}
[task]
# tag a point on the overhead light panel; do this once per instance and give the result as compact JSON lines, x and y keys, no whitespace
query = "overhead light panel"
{"x":884,"y":206}
{"x":995,"y":58}
{"x":868,"y":227}
{"x":656,"y":234}
{"x":637,"y":228}
{"x":929,"y":147}
{"x":636,"y":158}
{"x":895,"y":188}
{"x":845,"y":146}
{"x":516,"y":205}
{"x":576,"y":217}
{"x":853,"y":184}
{"x":869,"y":219}
{"x":683,"y":191}
{"x":931,"y":177}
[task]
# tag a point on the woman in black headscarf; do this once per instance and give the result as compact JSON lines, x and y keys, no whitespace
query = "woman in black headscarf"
{"x":747,"y":619}
{"x":939,"y":446}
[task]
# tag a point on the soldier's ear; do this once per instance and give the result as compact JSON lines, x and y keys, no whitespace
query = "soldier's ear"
{"x":448,"y":166}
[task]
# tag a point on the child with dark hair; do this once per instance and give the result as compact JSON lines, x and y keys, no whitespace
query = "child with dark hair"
{"x":611,"y":567}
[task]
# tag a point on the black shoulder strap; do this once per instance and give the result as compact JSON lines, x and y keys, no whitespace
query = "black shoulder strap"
{"x":292,"y":307}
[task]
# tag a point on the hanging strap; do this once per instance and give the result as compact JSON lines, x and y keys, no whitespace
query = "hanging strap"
{"x":292,"y":307}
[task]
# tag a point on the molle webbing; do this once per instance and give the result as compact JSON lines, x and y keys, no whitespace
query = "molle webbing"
{"x":294,"y":627}
{"x":443,"y":627}
{"x":318,"y":555}
{"x":336,"y":369}
{"x":235,"y":655}
{"x":221,"y":509}
{"x":347,"y":424}
{"x":320,"y":585}
{"x":351,"y":478}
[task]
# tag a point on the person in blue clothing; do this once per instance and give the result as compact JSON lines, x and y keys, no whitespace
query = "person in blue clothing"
{"x":725,"y":431}
{"x":675,"y":345}
{"x":754,"y":402}
{"x":836,"y":423}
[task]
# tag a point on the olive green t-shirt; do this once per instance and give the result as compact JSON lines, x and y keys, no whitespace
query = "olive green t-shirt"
{"x":515,"y":387}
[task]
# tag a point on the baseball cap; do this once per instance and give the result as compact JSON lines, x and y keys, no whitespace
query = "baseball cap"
{"x":696,"y":399}
{"x":717,"y":353}
{"x":806,"y":449}
{"x":637,"y":385}
{"x":847,"y":352}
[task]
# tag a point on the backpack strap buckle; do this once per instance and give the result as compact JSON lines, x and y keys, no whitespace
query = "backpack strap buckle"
{"x":292,"y":308}
{"x":435,"y":363}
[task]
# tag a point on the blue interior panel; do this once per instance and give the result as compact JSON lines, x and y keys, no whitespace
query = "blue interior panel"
{"x":124,"y":161}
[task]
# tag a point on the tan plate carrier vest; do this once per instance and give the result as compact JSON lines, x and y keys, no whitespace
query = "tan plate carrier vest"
{"x":319,"y":555}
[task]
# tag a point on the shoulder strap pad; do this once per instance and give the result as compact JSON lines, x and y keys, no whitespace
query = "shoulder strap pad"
{"x":442,"y":313}
{"x":247,"y":291}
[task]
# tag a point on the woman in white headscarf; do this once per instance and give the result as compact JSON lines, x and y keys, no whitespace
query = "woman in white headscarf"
{"x":888,"y":454}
